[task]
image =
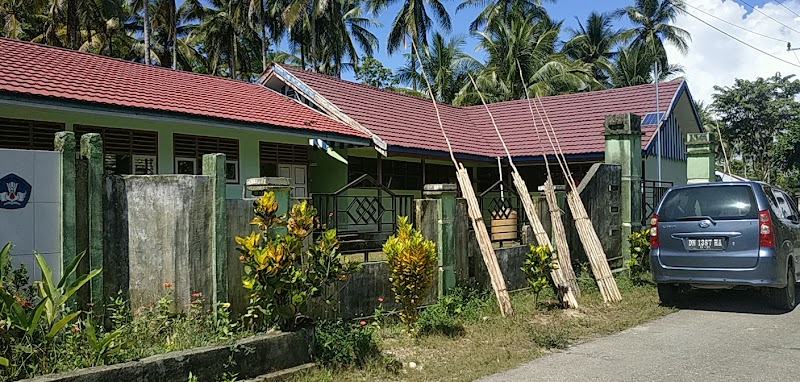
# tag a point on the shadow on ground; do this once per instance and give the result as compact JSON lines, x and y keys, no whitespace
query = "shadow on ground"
{"x":734,"y":301}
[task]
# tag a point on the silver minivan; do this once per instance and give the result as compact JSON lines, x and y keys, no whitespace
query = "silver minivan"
{"x":726,"y":235}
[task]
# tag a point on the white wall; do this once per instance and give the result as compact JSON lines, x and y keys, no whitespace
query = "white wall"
{"x":37,"y":226}
{"x":671,"y":170}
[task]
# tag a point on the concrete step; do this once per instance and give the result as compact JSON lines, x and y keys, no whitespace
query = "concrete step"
{"x":282,"y":375}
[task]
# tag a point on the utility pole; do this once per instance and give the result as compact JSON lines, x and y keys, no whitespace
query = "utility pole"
{"x":656,"y":75}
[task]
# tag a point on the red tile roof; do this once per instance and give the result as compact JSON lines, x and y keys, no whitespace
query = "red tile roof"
{"x":398,"y":119}
{"x":41,"y":70}
{"x":410,"y":122}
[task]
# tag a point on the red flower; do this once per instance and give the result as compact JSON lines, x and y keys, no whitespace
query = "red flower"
{"x":167,"y":284}
{"x":197,"y":294}
{"x":330,"y":214}
{"x":380,"y":299}
{"x":363,"y":322}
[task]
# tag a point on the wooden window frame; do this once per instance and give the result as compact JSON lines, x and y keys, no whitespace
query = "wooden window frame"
{"x":198,"y":153}
{"x":80,"y":129}
{"x":34,"y":140}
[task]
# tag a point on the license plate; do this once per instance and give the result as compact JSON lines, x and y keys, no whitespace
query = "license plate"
{"x":715,"y":243}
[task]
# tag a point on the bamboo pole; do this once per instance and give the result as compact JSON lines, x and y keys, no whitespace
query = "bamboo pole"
{"x":566,"y":294}
{"x":594,"y":251}
{"x":566,"y":287}
{"x":586,"y":232}
{"x":474,"y":211}
{"x":564,"y":261}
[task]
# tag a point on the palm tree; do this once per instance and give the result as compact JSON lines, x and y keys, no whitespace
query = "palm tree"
{"x":345,"y":28}
{"x":447,"y":66}
{"x":412,"y":21}
{"x":498,"y":11}
{"x":594,"y":44}
{"x":220,"y":34}
{"x":652,"y":21}
{"x":144,"y":7}
{"x":14,"y":13}
{"x":634,"y":66}
{"x":530,"y":46}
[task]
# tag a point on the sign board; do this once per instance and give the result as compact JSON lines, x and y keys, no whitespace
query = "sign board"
{"x":14,"y":192}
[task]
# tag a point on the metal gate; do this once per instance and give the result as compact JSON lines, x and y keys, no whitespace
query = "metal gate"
{"x":652,"y":192}
{"x":364,"y":214}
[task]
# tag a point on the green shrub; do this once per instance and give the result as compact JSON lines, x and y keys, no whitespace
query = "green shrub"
{"x":340,"y":344}
{"x":539,"y":262}
{"x":639,"y":263}
{"x":411,"y":259}
{"x":280,"y":277}
{"x":436,"y":319}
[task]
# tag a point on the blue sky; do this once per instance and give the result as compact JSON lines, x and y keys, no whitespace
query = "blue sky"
{"x":566,"y":10}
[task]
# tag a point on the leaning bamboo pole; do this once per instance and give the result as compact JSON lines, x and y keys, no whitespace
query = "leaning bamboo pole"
{"x":557,"y":224}
{"x":560,"y":233}
{"x":474,"y":211}
{"x":565,"y":291}
{"x":567,"y":295}
{"x":591,"y":243}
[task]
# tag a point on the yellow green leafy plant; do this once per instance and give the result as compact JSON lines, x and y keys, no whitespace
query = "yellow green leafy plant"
{"x":412,"y":260}
{"x":279,"y":274}
{"x":539,"y":262}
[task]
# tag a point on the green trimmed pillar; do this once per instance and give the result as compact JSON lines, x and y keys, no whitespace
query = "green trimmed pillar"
{"x":214,"y":166}
{"x":701,"y":157}
{"x":65,"y":145}
{"x":92,"y":151}
{"x":282,"y":189}
{"x":623,"y":135}
{"x":445,"y":194}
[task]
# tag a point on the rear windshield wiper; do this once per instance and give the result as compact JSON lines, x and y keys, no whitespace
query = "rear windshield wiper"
{"x":685,"y":218}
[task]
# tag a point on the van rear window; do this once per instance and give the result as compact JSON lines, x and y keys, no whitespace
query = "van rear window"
{"x":718,"y":203}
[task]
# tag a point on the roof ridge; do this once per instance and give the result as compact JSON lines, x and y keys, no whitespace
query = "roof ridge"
{"x":100,"y":56}
{"x":678,"y":80}
{"x":384,"y":90}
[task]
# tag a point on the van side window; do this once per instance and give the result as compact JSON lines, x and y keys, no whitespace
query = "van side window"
{"x":786,"y":202}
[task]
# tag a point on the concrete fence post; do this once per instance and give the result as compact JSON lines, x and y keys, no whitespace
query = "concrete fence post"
{"x":700,"y":157}
{"x":623,"y":135}
{"x":445,"y":233}
{"x":214,"y":166}
{"x":65,"y":145}
{"x":92,"y":151}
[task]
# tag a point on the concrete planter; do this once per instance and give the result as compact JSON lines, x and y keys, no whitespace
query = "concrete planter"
{"x":248,"y":358}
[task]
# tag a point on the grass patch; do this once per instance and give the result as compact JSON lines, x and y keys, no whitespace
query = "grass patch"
{"x":490,"y":343}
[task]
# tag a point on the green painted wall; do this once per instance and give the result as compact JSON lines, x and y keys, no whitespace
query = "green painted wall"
{"x":326,"y":174}
{"x":671,"y":170}
{"x":248,"y":138}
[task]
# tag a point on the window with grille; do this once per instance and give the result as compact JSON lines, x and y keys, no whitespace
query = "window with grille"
{"x":189,"y":151}
{"x":23,"y":134}
{"x":125,"y":151}
{"x":271,"y":154}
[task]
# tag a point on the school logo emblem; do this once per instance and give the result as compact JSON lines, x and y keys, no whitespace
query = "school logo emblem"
{"x":14,"y":192}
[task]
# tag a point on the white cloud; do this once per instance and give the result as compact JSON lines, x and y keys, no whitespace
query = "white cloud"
{"x":716,"y":59}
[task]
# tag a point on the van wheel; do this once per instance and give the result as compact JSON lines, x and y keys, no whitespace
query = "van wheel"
{"x":669,"y":294}
{"x":786,"y":298}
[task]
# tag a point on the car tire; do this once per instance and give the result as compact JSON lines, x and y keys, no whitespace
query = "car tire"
{"x":669,"y":294}
{"x":786,"y":298}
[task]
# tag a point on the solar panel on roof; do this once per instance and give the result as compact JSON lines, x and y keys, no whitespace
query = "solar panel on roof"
{"x":652,"y":118}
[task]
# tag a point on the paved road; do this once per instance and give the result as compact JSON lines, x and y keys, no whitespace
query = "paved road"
{"x":718,"y":336}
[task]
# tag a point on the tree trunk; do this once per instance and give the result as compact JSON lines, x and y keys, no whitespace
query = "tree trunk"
{"x":147,"y":33}
{"x":72,"y":24}
{"x":314,"y":58}
{"x":233,"y":57}
{"x":262,"y":20}
{"x":174,"y":33}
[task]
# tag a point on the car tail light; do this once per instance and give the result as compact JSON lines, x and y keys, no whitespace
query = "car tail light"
{"x":654,"y":231}
{"x":766,"y":235}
